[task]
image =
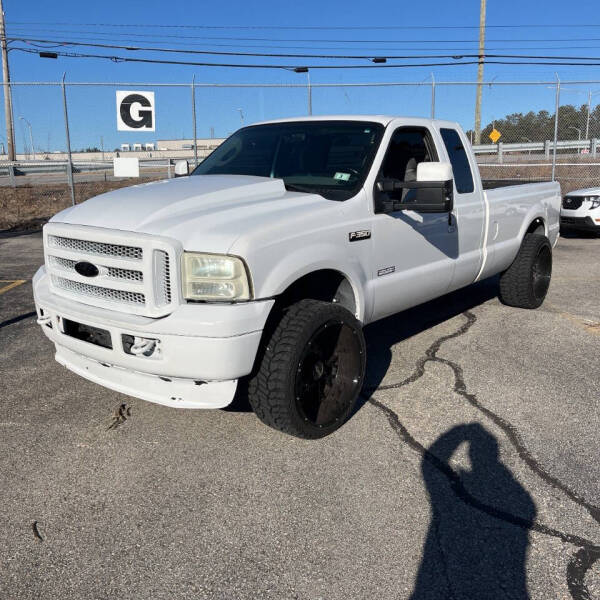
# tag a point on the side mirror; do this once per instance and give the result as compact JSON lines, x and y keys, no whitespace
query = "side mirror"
{"x":433,"y":190}
{"x":182,"y":168}
{"x":434,"y":171}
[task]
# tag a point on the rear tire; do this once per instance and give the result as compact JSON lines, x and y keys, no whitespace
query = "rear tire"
{"x":311,"y":370}
{"x":525,"y":283}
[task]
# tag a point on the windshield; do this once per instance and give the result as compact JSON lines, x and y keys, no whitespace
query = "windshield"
{"x":331,"y":158}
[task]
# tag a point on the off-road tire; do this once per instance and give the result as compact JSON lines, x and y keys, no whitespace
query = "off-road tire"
{"x":525,"y":283}
{"x":283,"y":377}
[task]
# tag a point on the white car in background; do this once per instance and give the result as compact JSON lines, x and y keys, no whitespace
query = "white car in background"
{"x":580,"y":210}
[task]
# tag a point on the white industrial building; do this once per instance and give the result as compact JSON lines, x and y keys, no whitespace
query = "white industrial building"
{"x":203,"y":144}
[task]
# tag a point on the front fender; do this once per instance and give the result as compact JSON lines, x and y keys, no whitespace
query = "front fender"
{"x":273,"y":279}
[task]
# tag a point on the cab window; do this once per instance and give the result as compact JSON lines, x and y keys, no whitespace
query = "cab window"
{"x":408,"y":147}
{"x":463,"y":178}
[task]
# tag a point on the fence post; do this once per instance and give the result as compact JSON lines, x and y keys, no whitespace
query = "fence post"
{"x":194,"y":120}
{"x":556,"y":127}
{"x":69,"y":159}
{"x":168,"y":168}
{"x":595,"y":143}
{"x":432,"y":96}
{"x":500,"y":152}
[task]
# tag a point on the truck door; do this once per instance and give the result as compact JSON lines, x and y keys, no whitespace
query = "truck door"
{"x":469,"y":207}
{"x":414,"y":253}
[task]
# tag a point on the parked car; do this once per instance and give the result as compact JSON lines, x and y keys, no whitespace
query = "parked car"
{"x":580,"y":210}
{"x":266,"y":263}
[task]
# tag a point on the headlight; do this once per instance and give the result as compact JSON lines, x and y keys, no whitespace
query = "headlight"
{"x":214,"y":277}
{"x":595,"y":200}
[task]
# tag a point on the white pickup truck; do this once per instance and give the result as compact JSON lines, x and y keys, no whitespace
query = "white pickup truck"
{"x":265,"y":264}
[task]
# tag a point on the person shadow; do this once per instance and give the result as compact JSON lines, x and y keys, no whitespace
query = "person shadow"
{"x":476,"y":546}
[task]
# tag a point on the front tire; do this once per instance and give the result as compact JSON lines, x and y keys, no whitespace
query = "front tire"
{"x":525,"y":283}
{"x":311,"y":370}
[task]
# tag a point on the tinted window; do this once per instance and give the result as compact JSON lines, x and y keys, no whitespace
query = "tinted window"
{"x":331,"y":158}
{"x":463,"y":179}
{"x":408,"y":147}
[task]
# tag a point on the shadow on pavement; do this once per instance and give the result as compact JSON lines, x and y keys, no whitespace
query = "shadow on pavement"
{"x":468,"y":552}
{"x":383,"y":335}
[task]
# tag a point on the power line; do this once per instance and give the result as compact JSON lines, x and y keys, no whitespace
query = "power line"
{"x":305,"y":27}
{"x":345,"y":47}
{"x":59,"y":43}
{"x":234,"y":65}
{"x":304,"y":67}
{"x":317,"y":40}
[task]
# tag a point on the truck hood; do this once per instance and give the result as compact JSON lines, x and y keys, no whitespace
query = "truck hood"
{"x":203,"y":212}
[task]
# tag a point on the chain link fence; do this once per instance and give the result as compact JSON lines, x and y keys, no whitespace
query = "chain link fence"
{"x":548,"y":130}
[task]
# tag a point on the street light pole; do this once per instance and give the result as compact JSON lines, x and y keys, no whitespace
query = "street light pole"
{"x":578,"y":132}
{"x":480,"y":72}
{"x":587,"y":121}
{"x":30,"y":135}
{"x":8,"y":112}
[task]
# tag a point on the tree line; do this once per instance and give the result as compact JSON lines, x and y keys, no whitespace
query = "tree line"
{"x":538,"y":127}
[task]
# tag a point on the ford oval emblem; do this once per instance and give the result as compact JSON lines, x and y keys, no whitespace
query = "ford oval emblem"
{"x":87,"y":269}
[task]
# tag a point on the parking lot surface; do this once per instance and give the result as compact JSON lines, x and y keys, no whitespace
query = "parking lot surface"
{"x":470,"y":469}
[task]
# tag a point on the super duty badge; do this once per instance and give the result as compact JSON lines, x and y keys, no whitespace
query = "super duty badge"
{"x":356,"y":236}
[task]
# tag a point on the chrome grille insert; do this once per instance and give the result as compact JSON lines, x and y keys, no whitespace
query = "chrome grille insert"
{"x":100,"y":248}
{"x":162,"y":273}
{"x":112,"y":272}
{"x":96,"y":291}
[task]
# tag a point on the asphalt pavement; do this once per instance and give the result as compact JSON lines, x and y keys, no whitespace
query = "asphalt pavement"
{"x":470,"y":470}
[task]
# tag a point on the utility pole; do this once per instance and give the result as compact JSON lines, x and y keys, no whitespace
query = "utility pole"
{"x":480,"y":72}
{"x":8,"y":113}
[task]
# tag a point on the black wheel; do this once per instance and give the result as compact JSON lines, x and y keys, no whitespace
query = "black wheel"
{"x":525,"y":283}
{"x":311,"y":370}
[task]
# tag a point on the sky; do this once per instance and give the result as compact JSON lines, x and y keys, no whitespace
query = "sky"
{"x":374,"y":29}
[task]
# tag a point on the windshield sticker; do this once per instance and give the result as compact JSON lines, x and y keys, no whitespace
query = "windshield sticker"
{"x":342,"y":176}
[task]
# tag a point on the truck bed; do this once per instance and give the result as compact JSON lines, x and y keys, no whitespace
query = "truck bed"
{"x":491,"y":184}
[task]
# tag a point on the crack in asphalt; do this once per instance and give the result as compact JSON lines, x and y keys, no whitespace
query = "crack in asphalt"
{"x":119,"y":416}
{"x":36,"y":532}
{"x":588,"y":552}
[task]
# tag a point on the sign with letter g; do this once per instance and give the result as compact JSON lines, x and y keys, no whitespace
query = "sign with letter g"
{"x":135,"y":111}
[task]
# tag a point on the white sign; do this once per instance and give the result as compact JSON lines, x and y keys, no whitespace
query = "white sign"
{"x":126,"y":167}
{"x":135,"y":111}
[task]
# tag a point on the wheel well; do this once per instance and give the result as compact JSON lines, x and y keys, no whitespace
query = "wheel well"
{"x":326,"y":284}
{"x":537,"y":226}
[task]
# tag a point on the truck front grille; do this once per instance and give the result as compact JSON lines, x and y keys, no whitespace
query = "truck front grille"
{"x":87,"y":247}
{"x":112,"y":272}
{"x":134,"y":276}
{"x":96,"y":291}
{"x":163,"y":278}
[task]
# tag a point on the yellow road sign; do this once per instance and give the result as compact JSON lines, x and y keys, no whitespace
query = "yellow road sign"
{"x":495,"y":135}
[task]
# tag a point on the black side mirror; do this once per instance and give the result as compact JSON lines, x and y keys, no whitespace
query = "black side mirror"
{"x":430,"y":196}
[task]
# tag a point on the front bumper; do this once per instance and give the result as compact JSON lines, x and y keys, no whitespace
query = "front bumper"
{"x":580,"y":223}
{"x":203,"y":349}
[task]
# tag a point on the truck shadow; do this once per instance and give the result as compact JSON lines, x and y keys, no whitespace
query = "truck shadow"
{"x":382,"y":335}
